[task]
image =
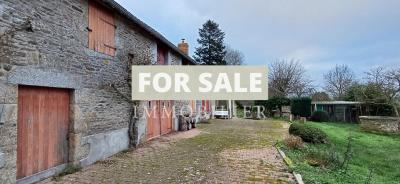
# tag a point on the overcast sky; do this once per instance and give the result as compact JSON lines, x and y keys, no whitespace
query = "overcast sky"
{"x":321,"y":34}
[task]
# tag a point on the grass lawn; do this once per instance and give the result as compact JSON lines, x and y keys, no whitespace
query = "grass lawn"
{"x":371,"y":152}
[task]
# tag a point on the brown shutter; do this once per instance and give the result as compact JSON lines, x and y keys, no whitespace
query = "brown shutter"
{"x":101,"y":29}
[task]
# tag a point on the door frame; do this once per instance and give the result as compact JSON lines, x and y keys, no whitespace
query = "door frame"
{"x":70,"y":150}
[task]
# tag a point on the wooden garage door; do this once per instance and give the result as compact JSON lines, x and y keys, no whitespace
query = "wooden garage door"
{"x":153,"y":119}
{"x":159,"y":120}
{"x":166,"y":117}
{"x":43,"y":119}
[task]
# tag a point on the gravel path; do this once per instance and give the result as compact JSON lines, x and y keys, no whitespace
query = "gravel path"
{"x":223,"y":151}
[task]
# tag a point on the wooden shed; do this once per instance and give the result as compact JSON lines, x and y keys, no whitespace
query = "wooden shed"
{"x":339,"y":111}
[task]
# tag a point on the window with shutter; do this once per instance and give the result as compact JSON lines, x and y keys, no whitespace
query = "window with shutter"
{"x":161,"y":56}
{"x":101,"y":29}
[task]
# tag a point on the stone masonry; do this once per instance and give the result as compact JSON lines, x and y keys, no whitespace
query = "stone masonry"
{"x":380,"y":124}
{"x":44,"y":43}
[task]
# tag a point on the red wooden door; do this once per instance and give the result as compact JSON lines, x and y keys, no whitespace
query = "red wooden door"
{"x":205,"y":105}
{"x":159,"y":119}
{"x":153,"y":121}
{"x":42,"y":131}
{"x":166,"y":117}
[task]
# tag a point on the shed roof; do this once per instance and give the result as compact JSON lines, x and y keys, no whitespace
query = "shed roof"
{"x":121,"y":10}
{"x":335,"y":103}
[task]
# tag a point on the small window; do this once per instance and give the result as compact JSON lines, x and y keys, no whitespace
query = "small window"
{"x":101,"y":29}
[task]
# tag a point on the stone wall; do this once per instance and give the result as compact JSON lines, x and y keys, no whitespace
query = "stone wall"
{"x":173,"y":59}
{"x":44,"y":43}
{"x":380,"y":124}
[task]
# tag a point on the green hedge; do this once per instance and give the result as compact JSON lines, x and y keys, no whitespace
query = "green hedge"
{"x":273,"y":103}
{"x":301,"y":106}
{"x":308,"y":133}
{"x":379,"y":109}
{"x":320,"y":116}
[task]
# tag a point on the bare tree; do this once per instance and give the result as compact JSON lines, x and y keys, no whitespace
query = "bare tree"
{"x":338,"y":81}
{"x":287,"y":77}
{"x":303,"y":88}
{"x":394,"y":76}
{"x":320,"y":96}
{"x":388,"y":83}
{"x":233,"y":57}
{"x":376,"y":75}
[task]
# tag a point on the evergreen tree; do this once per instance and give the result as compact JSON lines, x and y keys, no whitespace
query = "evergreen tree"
{"x":212,"y":48}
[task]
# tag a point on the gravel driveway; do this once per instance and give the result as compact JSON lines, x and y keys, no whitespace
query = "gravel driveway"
{"x":222,"y":151}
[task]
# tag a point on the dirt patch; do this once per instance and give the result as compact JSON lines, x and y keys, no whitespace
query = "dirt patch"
{"x":164,"y":142}
{"x":183,"y":135}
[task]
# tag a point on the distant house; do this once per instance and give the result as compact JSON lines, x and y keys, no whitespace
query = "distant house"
{"x":339,"y":111}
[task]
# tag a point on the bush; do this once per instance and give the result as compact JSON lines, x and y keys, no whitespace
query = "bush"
{"x":308,"y":133}
{"x":320,"y":116}
{"x":301,"y":107}
{"x":329,"y":158}
{"x":240,"y":112}
{"x":294,"y":142}
{"x":379,"y":109}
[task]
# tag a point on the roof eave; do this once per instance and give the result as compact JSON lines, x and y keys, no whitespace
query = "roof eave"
{"x":336,"y":103}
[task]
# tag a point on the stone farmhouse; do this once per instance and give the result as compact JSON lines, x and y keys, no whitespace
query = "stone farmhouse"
{"x":65,"y":84}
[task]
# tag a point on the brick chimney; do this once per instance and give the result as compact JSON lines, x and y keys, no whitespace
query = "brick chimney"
{"x":184,"y":47}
